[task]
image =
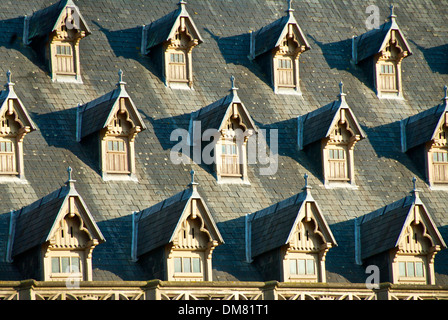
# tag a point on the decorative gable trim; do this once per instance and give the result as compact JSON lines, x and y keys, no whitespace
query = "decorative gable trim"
{"x":338,"y":130}
{"x":185,"y":229}
{"x":402,"y":231}
{"x":116,"y":119}
{"x":58,"y":29}
{"x":281,"y":227}
{"x":177,"y":35}
{"x":388,"y":47}
{"x":284,"y":41}
{"x":15,"y":124}
{"x":234,"y":126}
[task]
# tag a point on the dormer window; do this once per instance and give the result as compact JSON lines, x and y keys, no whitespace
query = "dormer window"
{"x":281,"y":43}
{"x":385,"y":47}
{"x":179,"y":231}
{"x":15,"y":123}
{"x":335,"y":131}
{"x":171,"y":40}
{"x":61,"y":248}
{"x":298,"y":241}
{"x":424,"y":138}
{"x":112,"y":122}
{"x":402,"y":240}
{"x":55,"y":33}
{"x":234,"y":127}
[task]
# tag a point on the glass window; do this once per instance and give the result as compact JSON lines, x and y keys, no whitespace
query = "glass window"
{"x":293,"y":266}
{"x":410,"y":269}
{"x":196,"y":265}
{"x":402,"y":269}
{"x":177,"y":264}
{"x":419,"y":269}
{"x":310,"y":267}
{"x":55,"y":265}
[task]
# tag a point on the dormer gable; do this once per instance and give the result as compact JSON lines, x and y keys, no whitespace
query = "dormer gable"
{"x":337,"y":130}
{"x":170,"y":41}
{"x":298,"y":234}
{"x":387,"y":46}
{"x":55,"y":33}
{"x":113,"y":121}
{"x":424,"y":138}
{"x":404,"y":237}
{"x":58,"y":233}
{"x":234,"y":126}
{"x":15,"y":123}
{"x":183,"y":231}
{"x":282,"y":42}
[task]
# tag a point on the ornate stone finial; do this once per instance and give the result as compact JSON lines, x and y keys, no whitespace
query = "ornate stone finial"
{"x":392,"y":15}
{"x":414,"y":182}
{"x":232,"y":81}
{"x":341,"y":90}
{"x":70,"y":182}
{"x":415,"y":191}
{"x":193,"y":183}
{"x":120,"y":75}
{"x":445,"y":98}
{"x":306,"y":187}
{"x":69,"y":170}
{"x":290,"y":9}
{"x":8,"y":76}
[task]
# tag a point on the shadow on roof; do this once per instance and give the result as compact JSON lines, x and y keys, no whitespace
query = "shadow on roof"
{"x":386,"y":141}
{"x":11,"y":31}
{"x":338,"y":56}
{"x":435,"y":57}
{"x":235,"y":50}
{"x":126,"y":43}
{"x":58,"y":128}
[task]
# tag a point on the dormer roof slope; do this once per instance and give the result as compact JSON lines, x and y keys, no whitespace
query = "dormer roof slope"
{"x":43,"y":22}
{"x":375,"y":40}
{"x":165,"y":28}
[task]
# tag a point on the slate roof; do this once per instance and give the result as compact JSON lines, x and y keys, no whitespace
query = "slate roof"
{"x":373,"y":41}
{"x":156,"y":225}
{"x":420,"y":128}
{"x":34,"y":223}
{"x":44,"y":21}
{"x":381,"y":230}
{"x":162,"y":29}
{"x":383,"y":171}
{"x":269,"y":37}
{"x":271,"y":227}
{"x":95,"y":115}
{"x":318,"y":124}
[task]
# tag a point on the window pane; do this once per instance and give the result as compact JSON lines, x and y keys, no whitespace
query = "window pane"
{"x":75,"y":265}
{"x":109,"y":145}
{"x":410,"y":269}
{"x":177,"y":265}
{"x":196,"y":265}
{"x":293,"y":266}
{"x":309,"y":266}
{"x":419,"y":269}
{"x":402,"y":269}
{"x":65,"y":264}
{"x":301,"y":265}
{"x":187,"y":264}
{"x":55,"y":265}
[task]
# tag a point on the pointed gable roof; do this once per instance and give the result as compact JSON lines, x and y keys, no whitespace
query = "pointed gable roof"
{"x":21,"y":112}
{"x":273,"y":227}
{"x":35,"y":223}
{"x":97,"y":114}
{"x":45,"y":21}
{"x":423,"y":127}
{"x":375,"y":40}
{"x":318,"y":124}
{"x":157,"y":225}
{"x":382,"y":230}
{"x":165,"y":28}
{"x":270,"y":36}
{"x":215,"y":115}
